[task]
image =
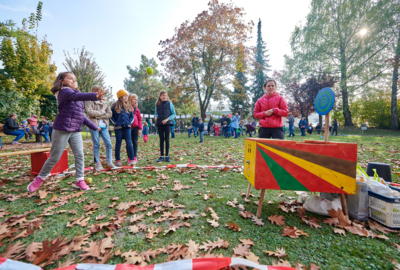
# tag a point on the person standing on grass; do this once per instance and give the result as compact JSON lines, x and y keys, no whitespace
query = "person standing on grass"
{"x":137,"y":126}
{"x":44,"y":131}
{"x":11,"y":127}
{"x":318,"y":128}
{"x":99,"y":112}
{"x":334,"y":126}
{"x":291,"y":125}
{"x":122,"y":119}
{"x":216,"y":129}
{"x":201,"y":130}
{"x":33,"y":123}
{"x":164,"y":114}
{"x":67,"y":128}
{"x":145,"y":132}
{"x":303,"y":126}
{"x":235,"y":125}
{"x":210,"y":125}
{"x":270,"y":109}
{"x":195,"y":125}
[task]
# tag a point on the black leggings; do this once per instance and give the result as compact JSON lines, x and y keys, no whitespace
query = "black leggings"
{"x":134,"y":136}
{"x":274,"y":133}
{"x":163,"y":133}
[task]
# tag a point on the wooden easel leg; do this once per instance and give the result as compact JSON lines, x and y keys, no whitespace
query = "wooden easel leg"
{"x":248,"y":191}
{"x":344,"y":205}
{"x":260,"y":202}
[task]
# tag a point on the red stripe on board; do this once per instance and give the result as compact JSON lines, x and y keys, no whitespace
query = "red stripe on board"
{"x":214,"y":264}
{"x":133,"y":267}
{"x":264,"y":179}
{"x":312,"y":182}
{"x":2,"y":260}
{"x":71,"y":267}
{"x":337,"y":150}
{"x":172,"y":166}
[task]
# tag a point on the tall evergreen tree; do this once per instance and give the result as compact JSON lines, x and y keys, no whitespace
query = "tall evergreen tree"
{"x":239,"y":95}
{"x":262,"y":67}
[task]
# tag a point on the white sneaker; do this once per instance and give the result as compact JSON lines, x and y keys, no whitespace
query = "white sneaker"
{"x":15,"y":142}
{"x":98,"y":167}
{"x":111,"y":166}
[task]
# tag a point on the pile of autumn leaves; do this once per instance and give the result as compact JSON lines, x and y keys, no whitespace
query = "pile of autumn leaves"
{"x":134,"y":212}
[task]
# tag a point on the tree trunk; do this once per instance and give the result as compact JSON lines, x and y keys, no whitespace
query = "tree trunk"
{"x":343,"y":87}
{"x":320,"y":119}
{"x":394,"y":122}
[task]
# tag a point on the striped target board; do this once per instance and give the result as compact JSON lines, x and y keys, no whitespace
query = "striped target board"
{"x":304,"y":166}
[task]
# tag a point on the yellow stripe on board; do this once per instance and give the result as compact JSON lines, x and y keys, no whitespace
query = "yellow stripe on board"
{"x":335,"y":178}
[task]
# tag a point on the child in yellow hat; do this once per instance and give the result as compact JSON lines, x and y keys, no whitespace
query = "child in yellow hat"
{"x":122,"y":119}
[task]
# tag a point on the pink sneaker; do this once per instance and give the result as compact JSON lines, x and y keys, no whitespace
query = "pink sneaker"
{"x":81,"y":185}
{"x":135,"y":160}
{"x":35,"y":185}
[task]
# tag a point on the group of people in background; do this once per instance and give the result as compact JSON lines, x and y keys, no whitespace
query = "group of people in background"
{"x":11,"y":127}
{"x":125,"y":116}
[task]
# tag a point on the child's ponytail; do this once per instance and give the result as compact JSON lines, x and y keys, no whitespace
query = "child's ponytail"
{"x":58,"y":84}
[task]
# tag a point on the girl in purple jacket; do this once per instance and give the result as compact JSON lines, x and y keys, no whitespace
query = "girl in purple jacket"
{"x":67,"y":128}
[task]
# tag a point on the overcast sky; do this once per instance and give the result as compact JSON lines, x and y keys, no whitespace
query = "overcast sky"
{"x":117,"y":32}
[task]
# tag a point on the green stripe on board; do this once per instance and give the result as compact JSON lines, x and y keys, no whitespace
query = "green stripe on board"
{"x":284,"y":179}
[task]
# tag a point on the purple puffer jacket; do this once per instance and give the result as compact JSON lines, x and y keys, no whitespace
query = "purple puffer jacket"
{"x":71,"y":115}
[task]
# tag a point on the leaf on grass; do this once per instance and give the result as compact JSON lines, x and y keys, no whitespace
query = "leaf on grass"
{"x":252,"y":257}
{"x":339,"y":231}
{"x":134,"y":229}
{"x":132,"y":257}
{"x":153,"y":232}
{"x":248,"y":242}
{"x":278,"y":220}
{"x":13,"y":250}
{"x":257,"y":221}
{"x":213,"y":223}
{"x":42,"y":194}
{"x":101,"y":217}
{"x":280,"y":253}
{"x":241,"y":250}
{"x":136,"y":218}
{"x":234,"y":227}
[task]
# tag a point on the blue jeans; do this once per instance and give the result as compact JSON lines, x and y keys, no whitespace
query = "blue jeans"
{"x":303,"y":131}
{"x":124,"y":133}
{"x":291,"y":126}
{"x":201,"y":136}
{"x":18,"y":133}
{"x":173,"y":132}
{"x":96,"y":143}
{"x":45,"y":136}
{"x":195,"y":130}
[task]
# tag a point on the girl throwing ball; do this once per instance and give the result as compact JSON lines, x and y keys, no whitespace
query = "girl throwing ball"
{"x":67,"y":127}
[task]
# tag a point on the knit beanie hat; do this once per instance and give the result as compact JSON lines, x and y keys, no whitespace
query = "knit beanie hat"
{"x":23,"y":122}
{"x":121,"y":93}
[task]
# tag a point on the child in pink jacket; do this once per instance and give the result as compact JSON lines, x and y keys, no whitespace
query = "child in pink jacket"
{"x":33,"y":123}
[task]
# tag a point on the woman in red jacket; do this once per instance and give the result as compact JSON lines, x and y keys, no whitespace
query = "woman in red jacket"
{"x":137,"y":126}
{"x":269,"y":109}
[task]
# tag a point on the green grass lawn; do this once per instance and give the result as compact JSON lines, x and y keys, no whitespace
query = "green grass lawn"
{"x":151,"y":190}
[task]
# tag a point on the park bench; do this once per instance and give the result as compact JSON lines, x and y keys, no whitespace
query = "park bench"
{"x":39,"y":157}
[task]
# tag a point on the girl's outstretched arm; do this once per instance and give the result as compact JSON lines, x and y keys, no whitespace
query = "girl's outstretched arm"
{"x":71,"y":95}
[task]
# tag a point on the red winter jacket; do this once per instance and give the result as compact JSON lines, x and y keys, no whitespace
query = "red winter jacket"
{"x":137,"y":122}
{"x":265,"y":103}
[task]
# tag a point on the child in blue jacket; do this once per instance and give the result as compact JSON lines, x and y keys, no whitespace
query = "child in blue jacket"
{"x":44,"y":131}
{"x":201,"y":130}
{"x":122,"y":119}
